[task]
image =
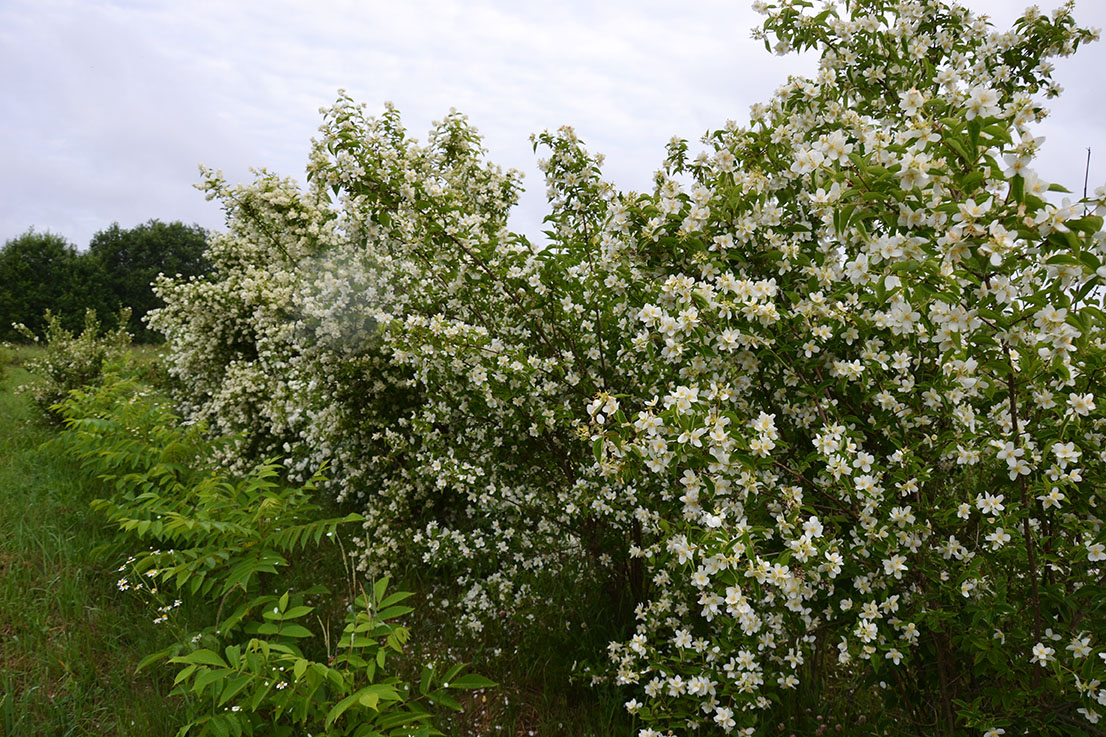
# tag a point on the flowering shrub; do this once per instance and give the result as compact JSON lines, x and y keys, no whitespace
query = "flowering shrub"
{"x":71,"y":361}
{"x":825,"y":404}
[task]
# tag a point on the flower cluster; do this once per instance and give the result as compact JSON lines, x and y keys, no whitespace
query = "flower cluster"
{"x":824,"y":404}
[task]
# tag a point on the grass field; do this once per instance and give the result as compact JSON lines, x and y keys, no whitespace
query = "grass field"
{"x":69,"y":640}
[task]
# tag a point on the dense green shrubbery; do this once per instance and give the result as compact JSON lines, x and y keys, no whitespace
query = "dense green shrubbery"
{"x":824,"y":406}
{"x":44,"y":272}
{"x":40,"y":272}
{"x":126,"y":261}
{"x":257,"y":670}
{"x":72,"y":361}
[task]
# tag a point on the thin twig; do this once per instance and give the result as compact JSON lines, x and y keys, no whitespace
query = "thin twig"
{"x":1086,"y":178}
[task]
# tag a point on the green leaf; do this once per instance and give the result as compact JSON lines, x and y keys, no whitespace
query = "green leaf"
{"x":219,"y":727}
{"x":201,"y":657}
{"x":400,"y":718}
{"x":427,"y":677}
{"x":233,"y":686}
{"x":295,"y":630}
{"x":153,"y":658}
{"x":340,"y":708}
{"x":1090,"y":260}
{"x":184,"y":673}
{"x":371,"y":696}
{"x":260,"y":694}
{"x":395,"y":598}
{"x":392,"y":612}
{"x":956,"y":145}
{"x":452,"y":672}
{"x":300,"y":668}
{"x":975,"y":125}
{"x":444,"y":699}
{"x":207,"y":677}
{"x":398,"y":638}
{"x":470,"y":680}
{"x":368,"y":730}
{"x":1089,"y":224}
{"x":379,"y":588}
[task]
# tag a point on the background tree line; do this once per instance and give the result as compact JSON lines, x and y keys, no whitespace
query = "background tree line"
{"x":43,"y":270}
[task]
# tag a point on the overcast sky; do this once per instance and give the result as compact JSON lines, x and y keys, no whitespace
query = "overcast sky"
{"x":111,"y":106}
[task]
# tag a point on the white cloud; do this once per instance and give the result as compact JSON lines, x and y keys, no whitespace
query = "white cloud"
{"x":112,"y":105}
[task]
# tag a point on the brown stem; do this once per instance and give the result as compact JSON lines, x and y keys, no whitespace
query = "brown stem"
{"x":943,"y":665}
{"x":815,"y":487}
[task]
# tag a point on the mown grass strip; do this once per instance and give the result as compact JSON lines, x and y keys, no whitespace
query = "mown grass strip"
{"x":69,"y":640}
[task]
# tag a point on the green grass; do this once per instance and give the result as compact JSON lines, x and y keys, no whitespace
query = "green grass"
{"x":69,"y":640}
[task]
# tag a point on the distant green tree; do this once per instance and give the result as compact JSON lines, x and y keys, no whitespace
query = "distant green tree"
{"x":126,"y":262}
{"x":40,"y":271}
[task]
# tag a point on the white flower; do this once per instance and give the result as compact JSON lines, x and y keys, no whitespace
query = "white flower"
{"x":982,"y":102}
{"x":1009,"y":453}
{"x":813,"y":527}
{"x":723,"y":716}
{"x":1081,"y":404}
{"x":911,"y":101}
{"x":895,"y":565}
{"x":807,"y":160}
{"x":1065,"y":453}
{"x":1052,"y":499}
{"x":1042,"y":654}
{"x":990,"y":503}
{"x":1080,"y":647}
{"x":998,"y":537}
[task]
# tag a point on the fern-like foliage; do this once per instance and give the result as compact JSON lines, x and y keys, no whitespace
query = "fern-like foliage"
{"x":225,"y":539}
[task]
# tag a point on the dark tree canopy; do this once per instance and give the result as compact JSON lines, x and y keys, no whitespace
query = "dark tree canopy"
{"x":40,"y":271}
{"x":128,"y":260}
{"x":44,"y":271}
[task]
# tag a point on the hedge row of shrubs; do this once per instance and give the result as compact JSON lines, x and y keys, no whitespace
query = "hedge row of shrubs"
{"x":821,"y":413}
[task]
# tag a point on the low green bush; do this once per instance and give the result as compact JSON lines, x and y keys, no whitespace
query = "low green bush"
{"x":70,"y":361}
{"x":257,"y":669}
